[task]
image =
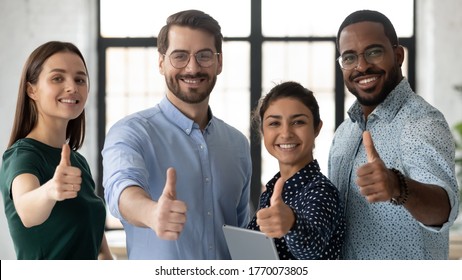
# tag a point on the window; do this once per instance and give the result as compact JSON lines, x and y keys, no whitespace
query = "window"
{"x":265,"y":42}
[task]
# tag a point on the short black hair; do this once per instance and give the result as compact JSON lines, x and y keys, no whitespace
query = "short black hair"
{"x":368,"y":15}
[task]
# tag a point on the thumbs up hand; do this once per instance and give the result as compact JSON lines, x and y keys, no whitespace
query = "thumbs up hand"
{"x":276,"y":220}
{"x":376,"y":182}
{"x":170,"y":213}
{"x":66,"y":181}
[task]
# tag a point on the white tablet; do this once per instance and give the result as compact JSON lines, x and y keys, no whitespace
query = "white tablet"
{"x":246,"y":244}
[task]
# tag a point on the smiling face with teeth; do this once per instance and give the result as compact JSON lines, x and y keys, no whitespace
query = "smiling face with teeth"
{"x":289,"y":134}
{"x":62,"y":88}
{"x":370,"y":83}
{"x":193,"y":83}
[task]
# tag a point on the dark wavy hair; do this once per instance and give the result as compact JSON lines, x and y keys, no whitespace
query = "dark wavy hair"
{"x":26,"y":115}
{"x":194,"y":19}
{"x":283,"y":90}
{"x":373,"y":16}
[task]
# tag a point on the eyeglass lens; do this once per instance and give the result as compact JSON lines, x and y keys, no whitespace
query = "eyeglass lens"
{"x":179,"y":59}
{"x":350,"y":60}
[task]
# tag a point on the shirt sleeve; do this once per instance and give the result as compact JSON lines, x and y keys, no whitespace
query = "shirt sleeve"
{"x":315,"y":224}
{"x":20,"y":161}
{"x":243,"y":209}
{"x":123,"y":163}
{"x":428,"y":156}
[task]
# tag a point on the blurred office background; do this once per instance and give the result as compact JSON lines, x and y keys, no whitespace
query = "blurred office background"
{"x":266,"y":41}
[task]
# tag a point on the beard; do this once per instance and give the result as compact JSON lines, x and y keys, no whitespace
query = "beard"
{"x":390,"y":83}
{"x":194,"y":95}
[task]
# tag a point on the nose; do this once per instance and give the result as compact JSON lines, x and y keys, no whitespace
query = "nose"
{"x":192,"y":65}
{"x":362,"y":63}
{"x":71,"y":87}
{"x":286,"y":131}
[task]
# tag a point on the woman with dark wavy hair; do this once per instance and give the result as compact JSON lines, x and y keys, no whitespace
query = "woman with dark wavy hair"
{"x":300,"y":208}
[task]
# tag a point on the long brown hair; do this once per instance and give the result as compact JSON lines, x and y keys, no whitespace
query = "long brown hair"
{"x":26,"y":115}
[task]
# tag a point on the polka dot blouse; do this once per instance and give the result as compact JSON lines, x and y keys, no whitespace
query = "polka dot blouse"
{"x":319,"y":227}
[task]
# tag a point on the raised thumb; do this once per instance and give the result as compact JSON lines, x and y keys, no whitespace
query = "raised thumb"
{"x":277,"y":192}
{"x":170,"y":184}
{"x":65,"y":155}
{"x":371,"y":152}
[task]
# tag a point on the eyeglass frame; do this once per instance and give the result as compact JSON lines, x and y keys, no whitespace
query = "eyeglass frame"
{"x":339,"y":59}
{"x":189,"y":57}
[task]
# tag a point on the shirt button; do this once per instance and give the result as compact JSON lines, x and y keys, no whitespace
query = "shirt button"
{"x":187,"y":130}
{"x":209,"y":213}
{"x":201,"y":146}
{"x":207,"y":179}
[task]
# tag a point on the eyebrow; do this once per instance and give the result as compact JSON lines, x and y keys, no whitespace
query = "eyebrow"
{"x":59,"y":70}
{"x":181,"y":50}
{"x":367,"y":48}
{"x":291,"y":116}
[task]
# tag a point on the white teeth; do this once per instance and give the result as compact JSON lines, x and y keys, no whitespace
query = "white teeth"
{"x":287,"y":146}
{"x":191,"y":81}
{"x":365,"y":81}
{"x":69,"y":101}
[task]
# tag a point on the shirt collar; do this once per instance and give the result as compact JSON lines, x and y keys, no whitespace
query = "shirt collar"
{"x":177,"y":118}
{"x":388,"y":109}
{"x":312,"y":168}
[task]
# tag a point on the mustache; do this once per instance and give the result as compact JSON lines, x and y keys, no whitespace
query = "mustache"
{"x":358,"y":74}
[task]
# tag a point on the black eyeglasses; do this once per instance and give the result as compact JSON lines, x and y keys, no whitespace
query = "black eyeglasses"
{"x":179,"y":59}
{"x":350,"y":61}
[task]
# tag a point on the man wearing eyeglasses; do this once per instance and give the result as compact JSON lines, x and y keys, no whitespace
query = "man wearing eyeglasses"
{"x":174,"y":174}
{"x":393,"y":158}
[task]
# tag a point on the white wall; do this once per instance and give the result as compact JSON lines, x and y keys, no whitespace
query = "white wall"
{"x":439,"y":63}
{"x":25,"y":24}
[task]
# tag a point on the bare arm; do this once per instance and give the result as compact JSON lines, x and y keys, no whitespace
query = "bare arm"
{"x":429,"y":204}
{"x":34,"y":202}
{"x":137,"y":207}
{"x":166,"y":217}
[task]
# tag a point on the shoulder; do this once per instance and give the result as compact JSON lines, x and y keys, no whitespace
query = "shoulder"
{"x":24,"y":150}
{"x":421,"y":118}
{"x":140,"y":117}
{"x":228,"y":130}
{"x":135,"y":124}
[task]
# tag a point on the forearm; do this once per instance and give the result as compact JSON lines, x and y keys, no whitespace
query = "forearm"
{"x":429,"y":204}
{"x":306,"y":240}
{"x":31,"y":201}
{"x":136,"y":207}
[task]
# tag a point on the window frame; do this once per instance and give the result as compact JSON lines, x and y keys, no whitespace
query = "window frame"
{"x":256,"y":41}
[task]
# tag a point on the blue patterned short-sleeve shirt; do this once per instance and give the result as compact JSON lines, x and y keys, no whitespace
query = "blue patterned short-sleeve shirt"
{"x":413,"y":137}
{"x":319,"y":226}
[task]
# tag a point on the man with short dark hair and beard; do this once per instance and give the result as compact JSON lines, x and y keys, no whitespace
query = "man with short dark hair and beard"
{"x":174,"y":174}
{"x":393,"y":158}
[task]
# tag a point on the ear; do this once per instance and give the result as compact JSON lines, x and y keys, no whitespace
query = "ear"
{"x":161,"y":63}
{"x":220,"y":63}
{"x":30,"y":89}
{"x":318,"y":129}
{"x":399,"y":54}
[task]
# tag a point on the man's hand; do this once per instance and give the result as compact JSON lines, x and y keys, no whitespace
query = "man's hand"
{"x":376,"y":182}
{"x":170,"y":214}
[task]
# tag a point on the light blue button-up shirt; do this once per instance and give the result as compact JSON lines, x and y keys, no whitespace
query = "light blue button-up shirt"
{"x":213,"y":170}
{"x":413,"y":137}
